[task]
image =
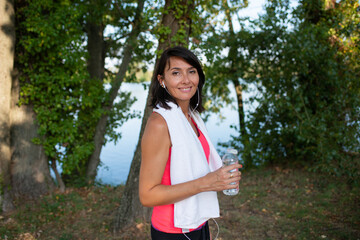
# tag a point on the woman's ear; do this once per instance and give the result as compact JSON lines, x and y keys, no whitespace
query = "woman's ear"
{"x":160,"y":80}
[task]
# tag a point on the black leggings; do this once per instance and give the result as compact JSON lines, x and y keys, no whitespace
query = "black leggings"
{"x":201,"y":234}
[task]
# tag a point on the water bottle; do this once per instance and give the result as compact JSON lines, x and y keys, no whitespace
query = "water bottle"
{"x":229,"y":158}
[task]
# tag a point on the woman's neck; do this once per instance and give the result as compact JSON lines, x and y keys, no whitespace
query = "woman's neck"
{"x":184,"y":107}
{"x":185,"y":110}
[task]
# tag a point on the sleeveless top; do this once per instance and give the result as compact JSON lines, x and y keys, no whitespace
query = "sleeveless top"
{"x":162,"y":217}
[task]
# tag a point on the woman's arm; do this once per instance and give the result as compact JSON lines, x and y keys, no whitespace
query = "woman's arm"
{"x":155,"y":147}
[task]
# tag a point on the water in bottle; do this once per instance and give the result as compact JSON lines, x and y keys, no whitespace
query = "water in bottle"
{"x":229,"y":158}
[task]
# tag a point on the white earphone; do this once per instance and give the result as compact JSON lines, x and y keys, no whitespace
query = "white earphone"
{"x":163,"y":84}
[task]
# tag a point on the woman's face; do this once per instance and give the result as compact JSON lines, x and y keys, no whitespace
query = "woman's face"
{"x":181,"y":80}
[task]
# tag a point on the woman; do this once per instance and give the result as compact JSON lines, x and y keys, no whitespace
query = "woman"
{"x":180,"y":170}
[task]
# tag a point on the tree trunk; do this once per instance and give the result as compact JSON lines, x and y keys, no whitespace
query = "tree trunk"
{"x":30,"y":171}
{"x":7,"y":47}
{"x":99,"y":136}
{"x":233,"y":52}
{"x":59,"y":180}
{"x":96,"y":69}
{"x":241,"y":113}
{"x":96,"y":61}
{"x":130,"y":207}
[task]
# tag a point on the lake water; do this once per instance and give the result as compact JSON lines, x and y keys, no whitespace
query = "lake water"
{"x":116,"y":159}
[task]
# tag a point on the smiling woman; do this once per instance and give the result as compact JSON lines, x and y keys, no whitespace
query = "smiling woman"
{"x":180,"y":168}
{"x":180,"y":80}
{"x":178,"y":69}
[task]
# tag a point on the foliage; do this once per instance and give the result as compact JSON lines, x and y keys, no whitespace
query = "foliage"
{"x":216,"y":46}
{"x":303,"y":62}
{"x":51,"y":58}
{"x":225,"y":49}
{"x":119,"y":22}
{"x":307,"y":77}
{"x":185,"y":13}
{"x":51,"y":62}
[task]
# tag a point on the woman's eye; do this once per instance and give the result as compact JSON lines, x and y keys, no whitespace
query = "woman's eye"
{"x":175,"y":73}
{"x":192,"y":71}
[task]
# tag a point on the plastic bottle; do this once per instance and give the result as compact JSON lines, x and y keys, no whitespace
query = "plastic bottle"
{"x":229,"y":158}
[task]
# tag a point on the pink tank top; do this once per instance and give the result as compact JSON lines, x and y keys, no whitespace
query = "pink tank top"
{"x":162,"y":217}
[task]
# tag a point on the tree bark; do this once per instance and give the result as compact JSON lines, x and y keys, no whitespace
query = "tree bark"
{"x":7,"y":47}
{"x":30,"y":171}
{"x":59,"y":180}
{"x":100,"y":130}
{"x":130,"y":207}
{"x":241,"y":113}
{"x":96,"y":61}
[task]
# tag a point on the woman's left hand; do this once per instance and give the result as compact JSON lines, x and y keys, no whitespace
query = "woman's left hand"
{"x":222,"y":179}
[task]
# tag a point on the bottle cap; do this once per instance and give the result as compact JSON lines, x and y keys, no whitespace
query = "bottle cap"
{"x":233,"y":151}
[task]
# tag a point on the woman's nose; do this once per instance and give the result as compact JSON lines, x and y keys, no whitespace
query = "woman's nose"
{"x":185,"y":78}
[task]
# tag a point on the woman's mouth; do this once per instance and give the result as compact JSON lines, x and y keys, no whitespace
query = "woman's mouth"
{"x":187,"y":89}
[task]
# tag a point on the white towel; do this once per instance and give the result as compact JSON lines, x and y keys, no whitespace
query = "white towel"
{"x":188,"y":162}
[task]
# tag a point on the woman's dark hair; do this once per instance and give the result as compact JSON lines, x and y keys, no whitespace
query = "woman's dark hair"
{"x":160,"y":95}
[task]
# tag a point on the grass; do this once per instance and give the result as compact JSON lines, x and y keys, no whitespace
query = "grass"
{"x":273,"y":203}
{"x":291,"y":204}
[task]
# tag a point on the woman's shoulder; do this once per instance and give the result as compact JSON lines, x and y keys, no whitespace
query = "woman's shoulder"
{"x":157,"y":120}
{"x":156,"y":123}
{"x":156,"y":130}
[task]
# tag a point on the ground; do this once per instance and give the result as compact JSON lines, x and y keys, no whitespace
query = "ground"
{"x":273,"y":203}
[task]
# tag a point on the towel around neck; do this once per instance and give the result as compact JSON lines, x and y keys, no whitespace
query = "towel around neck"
{"x":188,"y":162}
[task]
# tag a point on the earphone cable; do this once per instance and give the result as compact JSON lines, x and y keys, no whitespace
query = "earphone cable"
{"x":217,"y":234}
